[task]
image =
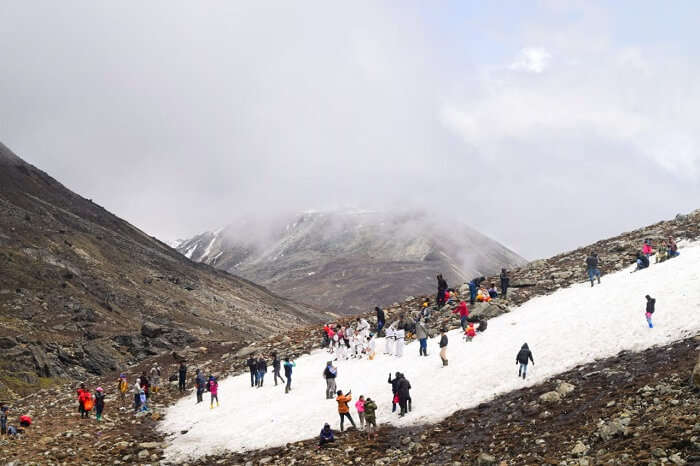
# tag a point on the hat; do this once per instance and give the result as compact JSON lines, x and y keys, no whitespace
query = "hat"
{"x":99,"y":389}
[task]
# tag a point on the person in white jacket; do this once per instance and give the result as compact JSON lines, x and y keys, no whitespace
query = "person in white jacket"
{"x":389,"y":340}
{"x":399,"y":335}
{"x":371,"y":346}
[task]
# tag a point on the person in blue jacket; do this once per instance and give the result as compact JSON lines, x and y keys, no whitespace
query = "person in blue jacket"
{"x":473,"y":287}
{"x":288,"y":365}
{"x":326,"y":435}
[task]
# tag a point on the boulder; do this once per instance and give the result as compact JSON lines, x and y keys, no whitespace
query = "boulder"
{"x":243,"y":352}
{"x":151,"y":330}
{"x":485,"y":458}
{"x":7,"y":342}
{"x":579,"y":449}
{"x":565,"y":388}
{"x":550,"y":397}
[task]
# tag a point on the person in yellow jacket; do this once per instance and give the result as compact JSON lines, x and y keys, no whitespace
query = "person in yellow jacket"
{"x":343,"y":408}
{"x":122,"y":387}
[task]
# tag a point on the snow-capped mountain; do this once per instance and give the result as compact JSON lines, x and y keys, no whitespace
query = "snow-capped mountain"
{"x":349,"y":261}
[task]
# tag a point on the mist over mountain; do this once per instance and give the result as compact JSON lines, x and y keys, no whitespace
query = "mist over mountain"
{"x":350,"y":260}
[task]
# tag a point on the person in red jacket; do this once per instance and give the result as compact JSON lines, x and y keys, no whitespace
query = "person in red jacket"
{"x":81,"y":408}
{"x":470,"y":333}
{"x":85,"y":400}
{"x":463,"y":311}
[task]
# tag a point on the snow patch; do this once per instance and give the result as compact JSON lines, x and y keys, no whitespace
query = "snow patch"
{"x":190,"y":251}
{"x":572,"y":326}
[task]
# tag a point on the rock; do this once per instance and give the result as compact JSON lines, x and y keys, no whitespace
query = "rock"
{"x":265,"y":460}
{"x":485,"y":458}
{"x":613,"y":428}
{"x":246,"y":351}
{"x":695,"y":379}
{"x":151,"y":330}
{"x":676,"y":459}
{"x":150,"y":445}
{"x":405,"y":440}
{"x":550,"y":397}
{"x":579,"y":449}
{"x":565,"y":388}
{"x":143,"y":454}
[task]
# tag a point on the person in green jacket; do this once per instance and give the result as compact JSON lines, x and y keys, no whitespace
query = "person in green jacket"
{"x":371,"y":418}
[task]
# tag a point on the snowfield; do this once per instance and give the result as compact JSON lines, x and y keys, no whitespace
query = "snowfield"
{"x":572,"y":326}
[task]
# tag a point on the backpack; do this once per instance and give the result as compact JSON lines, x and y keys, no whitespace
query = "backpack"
{"x":88,"y":404}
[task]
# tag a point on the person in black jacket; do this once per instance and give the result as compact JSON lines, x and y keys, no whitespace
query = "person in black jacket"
{"x":276,"y":366}
{"x":505,"y":283}
{"x":522,"y":358}
{"x":394,"y":389}
{"x":651,"y":304}
{"x":261,"y":366}
{"x":443,"y":347}
{"x":182,"y":376}
{"x":253,"y":368}
{"x":592,"y":268}
{"x":404,"y":395}
{"x":381,"y":319}
{"x":642,"y":262}
{"x":442,"y":286}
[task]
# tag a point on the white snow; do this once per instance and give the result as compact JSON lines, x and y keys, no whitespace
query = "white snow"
{"x":207,"y":251}
{"x":569,"y":327}
{"x":190,"y":251}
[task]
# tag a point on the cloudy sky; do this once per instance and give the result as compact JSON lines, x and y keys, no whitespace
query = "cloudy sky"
{"x":546,"y":125}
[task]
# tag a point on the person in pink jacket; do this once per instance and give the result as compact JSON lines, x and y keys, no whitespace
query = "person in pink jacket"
{"x":360,"y":406}
{"x":214,"y":391}
{"x":646,"y":249}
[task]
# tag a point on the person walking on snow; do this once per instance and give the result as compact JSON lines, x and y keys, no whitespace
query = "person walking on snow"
{"x":276,"y":367}
{"x":288,"y":366}
{"x":522,"y":358}
{"x":344,"y":409}
{"x":371,"y":418}
{"x":182,"y":376}
{"x":199,"y":384}
{"x":443,"y":347}
{"x":360,"y":407}
{"x":592,"y":268}
{"x":463,"y":312}
{"x":651,"y":303}
{"x":213,"y":391}
{"x":422,"y":335}
{"x":380,"y":319}
{"x":253,"y":368}
{"x":330,"y":373}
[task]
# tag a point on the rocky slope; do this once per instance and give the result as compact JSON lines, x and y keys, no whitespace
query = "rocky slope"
{"x":84,"y":292}
{"x":350,"y":261}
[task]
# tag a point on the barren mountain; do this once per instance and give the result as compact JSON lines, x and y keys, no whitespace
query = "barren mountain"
{"x":82,"y":291}
{"x":350,"y":261}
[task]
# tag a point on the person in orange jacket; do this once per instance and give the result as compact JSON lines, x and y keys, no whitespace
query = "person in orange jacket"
{"x":343,"y":408}
{"x":470,"y":332}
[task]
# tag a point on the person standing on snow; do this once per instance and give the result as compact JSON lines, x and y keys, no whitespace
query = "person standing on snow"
{"x":182,"y":376}
{"x":399,"y":335}
{"x":505,"y":283}
{"x":214,"y":391}
{"x":441,"y":288}
{"x":463,"y":312}
{"x":371,"y":418}
{"x":592,"y":268}
{"x":443,"y":347}
{"x":522,"y":358}
{"x":253,"y":368}
{"x":344,"y":409}
{"x":394,"y":389}
{"x":651,"y":303}
{"x":389,"y":340}
{"x":404,"y":395}
{"x":276,"y":366}
{"x":422,"y":335}
{"x":261,"y":367}
{"x":360,"y":407}
{"x":199,"y":384}
{"x":288,"y":366}
{"x":330,"y":373}
{"x":380,"y":319}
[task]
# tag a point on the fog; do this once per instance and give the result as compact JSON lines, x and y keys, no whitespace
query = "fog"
{"x":544,"y":125}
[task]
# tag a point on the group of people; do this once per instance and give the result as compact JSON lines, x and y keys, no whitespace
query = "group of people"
{"x":87,"y":401}
{"x":667,"y":250}
{"x":351,"y":341}
{"x":9,"y":430}
{"x":258,"y":368}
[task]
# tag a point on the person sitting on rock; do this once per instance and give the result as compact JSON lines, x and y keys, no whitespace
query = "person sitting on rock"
{"x":646,"y":248}
{"x":672,"y":248}
{"x":493,"y":293}
{"x":326,"y":436}
{"x":483,"y":295}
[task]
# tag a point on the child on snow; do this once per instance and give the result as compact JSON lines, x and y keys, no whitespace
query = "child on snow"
{"x":370,"y":418}
{"x":469,"y":333}
{"x":522,"y":358}
{"x":651,"y":303}
{"x":213,"y":391}
{"x":360,"y":407}
{"x":443,"y":347}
